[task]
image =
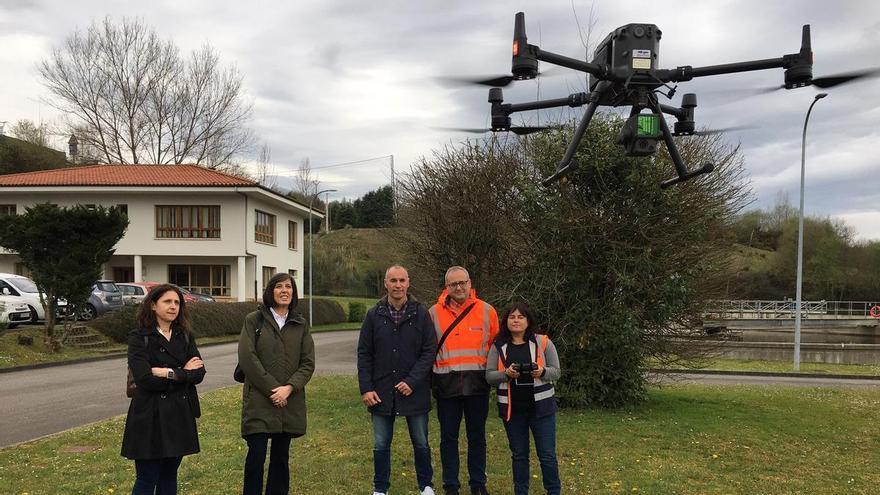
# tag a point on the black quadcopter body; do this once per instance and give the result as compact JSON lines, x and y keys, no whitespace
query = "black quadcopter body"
{"x":625,"y":72}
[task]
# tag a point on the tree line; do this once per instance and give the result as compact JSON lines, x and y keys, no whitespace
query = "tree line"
{"x":836,"y":267}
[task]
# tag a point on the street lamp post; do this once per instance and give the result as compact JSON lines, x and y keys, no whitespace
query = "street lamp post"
{"x":800,"y":252}
{"x":311,"y":234}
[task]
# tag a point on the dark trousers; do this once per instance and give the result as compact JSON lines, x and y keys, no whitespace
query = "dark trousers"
{"x":383,"y":433}
{"x":544,"y":431}
{"x":278,"y":479}
{"x":475,"y":409}
{"x":156,"y":476}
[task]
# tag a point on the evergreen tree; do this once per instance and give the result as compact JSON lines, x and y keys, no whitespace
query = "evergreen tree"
{"x":64,"y":249}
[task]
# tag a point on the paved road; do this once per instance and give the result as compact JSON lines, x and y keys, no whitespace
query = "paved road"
{"x":48,"y":400}
{"x":44,"y":401}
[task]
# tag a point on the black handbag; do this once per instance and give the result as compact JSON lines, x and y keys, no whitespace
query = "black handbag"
{"x":238,"y":373}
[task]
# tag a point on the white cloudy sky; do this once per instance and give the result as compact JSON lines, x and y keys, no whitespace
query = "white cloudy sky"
{"x":341,"y":81}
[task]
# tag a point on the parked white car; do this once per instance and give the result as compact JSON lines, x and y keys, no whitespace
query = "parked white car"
{"x":13,"y":310}
{"x":16,"y":285}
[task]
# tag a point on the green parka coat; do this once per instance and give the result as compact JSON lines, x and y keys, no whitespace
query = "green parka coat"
{"x":282,"y":356}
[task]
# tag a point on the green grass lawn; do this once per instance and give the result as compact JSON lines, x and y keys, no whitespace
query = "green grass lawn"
{"x":343,"y":301}
{"x":683,"y":440}
{"x":14,"y":354}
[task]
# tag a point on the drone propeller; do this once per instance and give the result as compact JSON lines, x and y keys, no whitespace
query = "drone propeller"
{"x":709,"y":132}
{"x":518,"y":130}
{"x":827,"y":81}
{"x":499,"y":81}
{"x":845,"y":77}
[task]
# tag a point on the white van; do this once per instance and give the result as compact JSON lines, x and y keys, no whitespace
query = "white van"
{"x":16,"y":285}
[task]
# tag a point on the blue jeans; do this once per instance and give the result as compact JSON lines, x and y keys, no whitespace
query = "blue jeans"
{"x":156,"y":476}
{"x":544,"y":431}
{"x":475,"y":409}
{"x":278,"y":479}
{"x":383,"y":433}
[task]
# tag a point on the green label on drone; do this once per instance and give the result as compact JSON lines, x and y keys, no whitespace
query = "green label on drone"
{"x":649,"y":126}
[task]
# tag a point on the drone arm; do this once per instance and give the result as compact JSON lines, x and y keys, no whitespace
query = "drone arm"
{"x":674,"y":111}
{"x":573,"y":100}
{"x":686,"y":73}
{"x":571,"y":63}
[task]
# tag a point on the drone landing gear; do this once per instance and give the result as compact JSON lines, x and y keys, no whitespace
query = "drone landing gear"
{"x":633,"y":137}
{"x":568,"y":162}
{"x":683,"y":173}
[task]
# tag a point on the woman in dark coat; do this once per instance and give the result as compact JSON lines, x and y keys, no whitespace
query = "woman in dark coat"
{"x":166,"y":365}
{"x":277,"y":355}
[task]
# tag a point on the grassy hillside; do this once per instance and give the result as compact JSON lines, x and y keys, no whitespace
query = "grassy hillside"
{"x":352,"y":262}
{"x":751,"y":259}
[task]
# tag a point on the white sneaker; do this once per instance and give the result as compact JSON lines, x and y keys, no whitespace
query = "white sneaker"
{"x":428,"y":491}
{"x":378,"y":493}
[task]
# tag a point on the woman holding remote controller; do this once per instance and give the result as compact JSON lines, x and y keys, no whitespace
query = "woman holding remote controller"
{"x":523,"y":365}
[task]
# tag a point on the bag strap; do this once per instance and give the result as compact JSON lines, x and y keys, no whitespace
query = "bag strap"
{"x":453,"y":325}
{"x":259,"y":329}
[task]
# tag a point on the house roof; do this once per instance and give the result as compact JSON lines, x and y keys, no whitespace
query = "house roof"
{"x":126,"y":175}
{"x":109,"y":176}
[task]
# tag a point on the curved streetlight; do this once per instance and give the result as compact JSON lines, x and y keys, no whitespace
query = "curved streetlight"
{"x":800,"y":252}
{"x":311,"y":234}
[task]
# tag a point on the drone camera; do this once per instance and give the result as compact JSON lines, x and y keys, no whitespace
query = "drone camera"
{"x":640,"y":134}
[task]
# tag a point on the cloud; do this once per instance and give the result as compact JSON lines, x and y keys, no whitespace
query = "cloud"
{"x":340,"y":81}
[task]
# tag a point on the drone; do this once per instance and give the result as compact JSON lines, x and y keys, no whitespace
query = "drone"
{"x":624,"y":72}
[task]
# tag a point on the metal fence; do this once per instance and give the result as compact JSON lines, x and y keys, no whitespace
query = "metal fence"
{"x":772,"y":310}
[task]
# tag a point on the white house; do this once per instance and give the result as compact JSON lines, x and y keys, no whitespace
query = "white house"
{"x":198,"y":228}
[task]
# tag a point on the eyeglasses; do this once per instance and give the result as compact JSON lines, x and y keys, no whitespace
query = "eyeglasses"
{"x":458,"y":285}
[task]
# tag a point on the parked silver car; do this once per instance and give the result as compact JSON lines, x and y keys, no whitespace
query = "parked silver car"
{"x":105,"y":297}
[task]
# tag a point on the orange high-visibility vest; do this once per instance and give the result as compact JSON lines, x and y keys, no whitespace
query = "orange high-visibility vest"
{"x":466,"y":347}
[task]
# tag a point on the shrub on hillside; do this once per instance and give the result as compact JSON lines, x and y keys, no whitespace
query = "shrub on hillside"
{"x":356,"y":311}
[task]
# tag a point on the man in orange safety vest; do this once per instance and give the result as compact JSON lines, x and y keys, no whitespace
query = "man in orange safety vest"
{"x":466,"y":328}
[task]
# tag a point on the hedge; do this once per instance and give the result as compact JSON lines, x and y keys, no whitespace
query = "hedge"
{"x":213,"y":319}
{"x":357,"y":311}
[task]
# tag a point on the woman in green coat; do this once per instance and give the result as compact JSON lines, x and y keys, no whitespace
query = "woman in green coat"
{"x":277,"y":355}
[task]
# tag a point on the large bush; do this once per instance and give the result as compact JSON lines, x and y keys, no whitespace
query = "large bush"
{"x":327,"y":311}
{"x":212,"y":320}
{"x":357,"y":311}
{"x":616,"y":268}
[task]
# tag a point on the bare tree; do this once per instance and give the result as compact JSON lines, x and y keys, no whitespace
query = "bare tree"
{"x":265,"y":169}
{"x":27,"y":130}
{"x":132,"y":98}
{"x":306,"y":182}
